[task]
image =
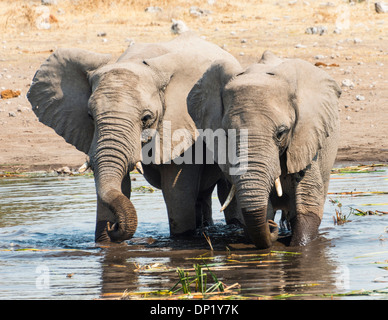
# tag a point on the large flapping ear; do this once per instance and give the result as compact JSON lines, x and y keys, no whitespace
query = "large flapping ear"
{"x":177,"y":78}
{"x":315,"y":99}
{"x":60,"y":92}
{"x":204,"y":101}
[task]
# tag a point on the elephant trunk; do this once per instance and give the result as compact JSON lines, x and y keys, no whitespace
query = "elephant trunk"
{"x":113,"y":159}
{"x":253,"y":190}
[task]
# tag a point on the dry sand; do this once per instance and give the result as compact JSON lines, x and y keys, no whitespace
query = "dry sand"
{"x":244,"y":28}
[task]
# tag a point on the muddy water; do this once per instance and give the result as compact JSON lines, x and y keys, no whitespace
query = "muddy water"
{"x":47,"y":248}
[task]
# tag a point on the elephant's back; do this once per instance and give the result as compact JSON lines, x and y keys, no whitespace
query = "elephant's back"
{"x":186,"y":45}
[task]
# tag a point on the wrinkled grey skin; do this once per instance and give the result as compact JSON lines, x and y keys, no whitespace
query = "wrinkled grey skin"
{"x":290,"y":110}
{"x":102,"y":108}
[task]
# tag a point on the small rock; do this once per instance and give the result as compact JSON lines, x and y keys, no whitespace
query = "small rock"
{"x":49,"y":2}
{"x":153,"y":9}
{"x":327,"y":4}
{"x":42,"y":22}
{"x":130,"y":41}
{"x":300,"y":46}
{"x":357,"y":40}
{"x":63,"y":170}
{"x":198,"y":12}
{"x":360,"y":97}
{"x":381,"y":7}
{"x":337,"y":31}
{"x":12,"y":114}
{"x":316,"y":30}
{"x":347,"y":83}
{"x":243,"y":41}
{"x":348,"y":118}
{"x":101,"y":34}
{"x":319,"y":56}
{"x":178,"y":27}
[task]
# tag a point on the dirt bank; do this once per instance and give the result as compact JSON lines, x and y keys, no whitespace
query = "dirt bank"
{"x":357,"y":54}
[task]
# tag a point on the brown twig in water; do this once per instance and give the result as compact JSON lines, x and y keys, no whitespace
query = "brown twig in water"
{"x":208,"y":241}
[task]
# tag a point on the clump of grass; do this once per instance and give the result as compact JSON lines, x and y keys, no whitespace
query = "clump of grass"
{"x":186,"y":282}
{"x":339,"y":217}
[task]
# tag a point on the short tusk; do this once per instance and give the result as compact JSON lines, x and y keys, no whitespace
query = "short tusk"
{"x":84,"y":167}
{"x":278,"y":187}
{"x":139,"y":167}
{"x":229,"y":198}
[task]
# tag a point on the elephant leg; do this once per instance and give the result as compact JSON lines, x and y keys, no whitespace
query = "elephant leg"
{"x":204,"y":208}
{"x":232,"y":213}
{"x":180,"y":184}
{"x":309,"y":201}
{"x":104,"y":214}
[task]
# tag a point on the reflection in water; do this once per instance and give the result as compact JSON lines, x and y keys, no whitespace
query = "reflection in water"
{"x":47,"y":248}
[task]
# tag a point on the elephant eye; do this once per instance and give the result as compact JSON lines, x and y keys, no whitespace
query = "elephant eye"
{"x":90,"y":116}
{"x":281,"y":132}
{"x":146,"y":120}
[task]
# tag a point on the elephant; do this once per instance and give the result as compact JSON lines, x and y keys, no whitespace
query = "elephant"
{"x":289,"y":111}
{"x":112,"y":111}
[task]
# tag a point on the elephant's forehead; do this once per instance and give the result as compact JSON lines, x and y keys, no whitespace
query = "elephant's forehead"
{"x":125,"y":72}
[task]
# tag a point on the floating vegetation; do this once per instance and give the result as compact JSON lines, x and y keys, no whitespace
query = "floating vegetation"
{"x":192,"y":283}
{"x":341,"y":218}
{"x":143,"y":189}
{"x":41,"y":250}
{"x":359,"y":212}
{"x":359,"y":169}
{"x":358,"y":193}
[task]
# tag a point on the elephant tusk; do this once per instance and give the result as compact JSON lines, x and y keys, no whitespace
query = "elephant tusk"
{"x":110,"y":227}
{"x":139,"y":167}
{"x":278,"y":187}
{"x":229,"y":198}
{"x":84,"y":167}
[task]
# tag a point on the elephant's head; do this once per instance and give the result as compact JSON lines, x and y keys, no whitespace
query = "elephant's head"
{"x":102,"y":109}
{"x":288,"y":108}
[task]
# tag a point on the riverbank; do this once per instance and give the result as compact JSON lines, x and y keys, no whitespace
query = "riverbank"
{"x":355,"y":56}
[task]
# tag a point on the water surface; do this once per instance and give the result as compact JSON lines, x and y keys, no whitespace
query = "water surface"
{"x":47,"y":248}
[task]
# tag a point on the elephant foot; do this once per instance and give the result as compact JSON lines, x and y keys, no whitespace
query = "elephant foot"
{"x":304,"y":228}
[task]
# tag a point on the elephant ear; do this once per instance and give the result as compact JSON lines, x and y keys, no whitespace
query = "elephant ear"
{"x":314,"y":95}
{"x":60,"y":92}
{"x":269,"y":58}
{"x":204,"y":101}
{"x":176,"y":77}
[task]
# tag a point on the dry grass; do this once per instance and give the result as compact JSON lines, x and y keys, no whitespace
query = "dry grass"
{"x":259,"y":22}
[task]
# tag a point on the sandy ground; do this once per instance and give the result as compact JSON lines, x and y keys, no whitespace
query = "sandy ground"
{"x":244,"y":28}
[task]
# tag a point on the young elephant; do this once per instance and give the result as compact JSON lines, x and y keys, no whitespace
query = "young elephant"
{"x":109,"y":111}
{"x":290,"y":109}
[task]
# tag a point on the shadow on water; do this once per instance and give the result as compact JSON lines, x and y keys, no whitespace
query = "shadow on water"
{"x":47,"y":248}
